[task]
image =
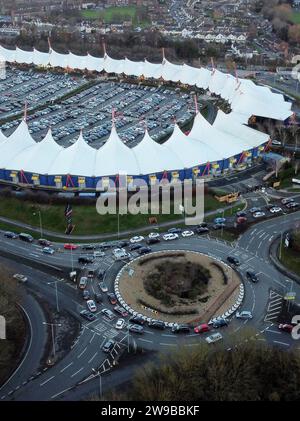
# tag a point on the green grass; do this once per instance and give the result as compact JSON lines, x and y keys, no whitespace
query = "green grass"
{"x":112,"y":14}
{"x":85,"y":217}
{"x":296,"y":17}
{"x":290,"y":259}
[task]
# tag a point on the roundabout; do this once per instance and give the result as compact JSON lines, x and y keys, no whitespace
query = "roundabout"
{"x":180,"y":286}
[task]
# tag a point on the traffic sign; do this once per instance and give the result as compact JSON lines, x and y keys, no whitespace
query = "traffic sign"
{"x":290,"y":296}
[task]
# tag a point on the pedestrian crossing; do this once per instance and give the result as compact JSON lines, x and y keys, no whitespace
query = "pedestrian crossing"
{"x":274,"y":306}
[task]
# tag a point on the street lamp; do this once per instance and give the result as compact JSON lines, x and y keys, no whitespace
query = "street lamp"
{"x":98,"y":373}
{"x":52,"y":333}
{"x":56,"y":294}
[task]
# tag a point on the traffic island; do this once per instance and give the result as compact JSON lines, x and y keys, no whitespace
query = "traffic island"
{"x":178,"y":287}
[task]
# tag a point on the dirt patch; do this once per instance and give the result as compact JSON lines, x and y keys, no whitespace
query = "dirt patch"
{"x":221,"y":292}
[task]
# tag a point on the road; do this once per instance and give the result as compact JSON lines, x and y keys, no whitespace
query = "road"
{"x":61,"y":381}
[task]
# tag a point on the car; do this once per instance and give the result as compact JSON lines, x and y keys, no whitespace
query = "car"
{"x":252,"y":276}
{"x":187,"y":233}
{"x":292,"y":205}
{"x":156,"y":324}
{"x":98,"y":297}
{"x":83,"y":282}
{"x":220,"y":323}
{"x":19,"y":277}
{"x":137,"y":320}
{"x":174,"y":230}
{"x":86,"y":294}
{"x":48,"y":250}
{"x":254,"y":210}
{"x":204,"y":327}
{"x":244,"y":315}
{"x":10,"y":234}
{"x":91,"y":306}
{"x":144,"y":250}
{"x":26,"y":237}
{"x":108,"y":346}
{"x":137,"y":239}
{"x":202,"y":230}
{"x":153,"y":235}
{"x":85,"y":259}
{"x":233,"y":260}
{"x":258,"y":214}
{"x":153,"y":240}
{"x":220,"y":220}
{"x":102,"y":286}
{"x":43,"y":242}
{"x":87,"y":315}
{"x":88,"y":247}
{"x":108,"y":313}
{"x":101,"y":274}
{"x":215,"y":337}
{"x":287,"y":200}
{"x":121,"y":311}
{"x":99,"y":254}
{"x":169,"y":237}
{"x":91,"y":273}
{"x":70,"y":246}
{"x":136,"y":246}
{"x":275,"y":209}
{"x":180,"y":328}
{"x":123,"y":243}
{"x":112,"y":298}
{"x":136,"y":328}
{"x":218,"y":226}
{"x":120,"y":324}
{"x":241,"y":220}
{"x":241,"y":214}
{"x":285,"y":327}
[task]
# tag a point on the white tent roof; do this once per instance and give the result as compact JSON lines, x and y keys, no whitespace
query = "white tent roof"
{"x":77,"y":62}
{"x":170,"y":71}
{"x":8,"y":55}
{"x":152,"y":70}
{"x":39,"y":58}
{"x":24,"y":56}
{"x":112,"y":65}
{"x":58,"y":59}
{"x":94,"y":63}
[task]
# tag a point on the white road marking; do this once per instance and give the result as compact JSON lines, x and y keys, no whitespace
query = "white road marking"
{"x":67,"y":366}
{"x":145,"y":340}
{"x":76,"y":372}
{"x":46,"y":381}
{"x":59,"y":393}
{"x":165,"y":344}
{"x":281,"y":343}
{"x":82,"y":352}
{"x":91,"y":359}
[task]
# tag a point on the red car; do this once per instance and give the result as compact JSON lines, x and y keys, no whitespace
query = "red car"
{"x":70,"y":246}
{"x":241,"y":220}
{"x":112,"y":298}
{"x":202,"y":328}
{"x":286,"y":327}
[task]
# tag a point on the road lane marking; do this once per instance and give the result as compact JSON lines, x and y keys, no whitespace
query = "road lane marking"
{"x":281,"y":343}
{"x":165,"y":344}
{"x":78,"y":356}
{"x":67,"y":366}
{"x":46,"y":381}
{"x":92,"y":337}
{"x":91,"y":359}
{"x":59,"y":393}
{"x":76,"y":372}
{"x":145,"y":340}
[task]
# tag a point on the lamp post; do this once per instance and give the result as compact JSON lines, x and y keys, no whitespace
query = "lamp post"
{"x":52,"y":334}
{"x":40,"y":220}
{"x":56,"y":294}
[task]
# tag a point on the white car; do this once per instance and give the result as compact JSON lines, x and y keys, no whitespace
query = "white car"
{"x":245,"y":315}
{"x":153,"y":235}
{"x":259,"y":215}
{"x":20,"y":277}
{"x":187,"y":233}
{"x":214,"y":338}
{"x":276,"y":209}
{"x":48,"y":250}
{"x":91,"y":305}
{"x":120,"y":324}
{"x":99,"y":254}
{"x":137,"y":239}
{"x":169,"y":237}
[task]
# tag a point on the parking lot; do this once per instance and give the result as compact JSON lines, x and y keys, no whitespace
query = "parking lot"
{"x":90,"y":109}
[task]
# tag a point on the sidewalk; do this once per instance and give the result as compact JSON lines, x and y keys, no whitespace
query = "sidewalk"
{"x":107,"y":236}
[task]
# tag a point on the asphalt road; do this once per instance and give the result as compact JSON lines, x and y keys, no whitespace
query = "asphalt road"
{"x":264,"y":299}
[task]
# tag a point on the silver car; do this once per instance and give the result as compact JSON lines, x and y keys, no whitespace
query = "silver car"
{"x":245,"y":315}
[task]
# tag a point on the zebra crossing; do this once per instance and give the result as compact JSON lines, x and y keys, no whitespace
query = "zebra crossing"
{"x":106,"y":332}
{"x":274,"y":306}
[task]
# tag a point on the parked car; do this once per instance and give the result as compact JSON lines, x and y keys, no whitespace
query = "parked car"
{"x":136,"y":328}
{"x":241,"y":220}
{"x":120,"y":324}
{"x":91,"y":306}
{"x":102,"y":286}
{"x":144,"y":250}
{"x":258,"y":214}
{"x":135,"y":246}
{"x":276,"y":209}
{"x":121,"y":311}
{"x":233,"y":260}
{"x":91,"y":273}
{"x":202,"y":230}
{"x":108,"y":313}
{"x":112,"y":298}
{"x":169,"y":237}
{"x":180,"y":328}
{"x":153,"y":235}
{"x":215,"y":337}
{"x":255,"y":209}
{"x":292,"y":205}
{"x":88,"y":315}
{"x":19,"y":277}
{"x":217,"y":227}
{"x":153,"y":240}
{"x":286,"y":327}
{"x":187,"y":233}
{"x":108,"y":346}
{"x":252,"y":276}
{"x":287,"y":200}
{"x":242,"y":214}
{"x":137,"y":239}
{"x":83,"y":282}
{"x":86,"y":294}
{"x":156,"y":324}
{"x":137,"y":320}
{"x":220,"y":220}
{"x":220,"y":323}
{"x":244,"y":315}
{"x":174,"y":230}
{"x":204,"y":327}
